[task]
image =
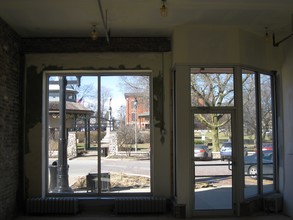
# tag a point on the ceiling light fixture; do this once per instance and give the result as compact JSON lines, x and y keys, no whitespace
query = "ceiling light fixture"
{"x":164,"y":9}
{"x":267,"y":35}
{"x":94,"y":33}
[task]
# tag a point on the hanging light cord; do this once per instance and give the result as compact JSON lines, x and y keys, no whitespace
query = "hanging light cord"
{"x":276,"y":44}
{"x":104,"y":21}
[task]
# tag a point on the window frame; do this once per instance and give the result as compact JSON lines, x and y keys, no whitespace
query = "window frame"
{"x":45,"y":122}
{"x":238,"y":106}
{"x":257,"y":77}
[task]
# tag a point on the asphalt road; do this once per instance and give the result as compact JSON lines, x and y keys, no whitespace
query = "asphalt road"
{"x":81,"y":166}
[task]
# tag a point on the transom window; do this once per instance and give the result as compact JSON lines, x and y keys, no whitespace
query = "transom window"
{"x":212,"y":87}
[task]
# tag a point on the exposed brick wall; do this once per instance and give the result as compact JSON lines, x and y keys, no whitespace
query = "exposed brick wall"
{"x":10,"y":120}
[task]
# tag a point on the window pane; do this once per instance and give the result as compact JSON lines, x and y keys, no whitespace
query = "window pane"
{"x":106,"y":134}
{"x":267,"y":133}
{"x":250,"y":133}
{"x":80,"y":133}
{"x":130,"y":138}
{"x":212,"y":87}
{"x":212,"y":176}
{"x":258,"y":137}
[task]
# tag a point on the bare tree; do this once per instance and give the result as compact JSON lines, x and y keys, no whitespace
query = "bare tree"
{"x":135,"y":84}
{"x":121,"y":116}
{"x":266,"y":105}
{"x":249,"y":105}
{"x":212,"y":90}
{"x":86,"y":91}
{"x":105,"y":95}
{"x":217,"y":90}
{"x":125,"y":138}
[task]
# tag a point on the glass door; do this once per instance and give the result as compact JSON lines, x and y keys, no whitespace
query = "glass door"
{"x":213,"y":159}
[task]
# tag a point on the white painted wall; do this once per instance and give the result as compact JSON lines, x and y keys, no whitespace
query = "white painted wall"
{"x":156,"y":62}
{"x":287,"y":152}
{"x":197,"y":45}
{"x":193,"y":44}
{"x":184,"y":128}
{"x":223,"y":45}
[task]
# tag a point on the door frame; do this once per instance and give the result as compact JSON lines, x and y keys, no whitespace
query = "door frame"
{"x":235,"y":165}
{"x":182,"y":140}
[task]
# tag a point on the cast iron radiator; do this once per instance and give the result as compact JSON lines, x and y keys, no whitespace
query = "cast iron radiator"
{"x":140,"y":205}
{"x":42,"y":206}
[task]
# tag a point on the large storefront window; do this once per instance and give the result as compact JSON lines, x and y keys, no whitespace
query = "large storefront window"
{"x":258,"y":127}
{"x":218,"y":95}
{"x":98,"y":134}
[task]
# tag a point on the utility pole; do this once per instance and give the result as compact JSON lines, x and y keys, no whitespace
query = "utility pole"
{"x":135,"y":125}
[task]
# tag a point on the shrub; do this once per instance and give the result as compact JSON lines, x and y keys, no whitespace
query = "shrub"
{"x":93,"y":136}
{"x":198,"y":142}
{"x":53,"y":146}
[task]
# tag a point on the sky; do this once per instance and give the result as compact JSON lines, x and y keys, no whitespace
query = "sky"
{"x":90,"y":83}
{"x":110,"y":82}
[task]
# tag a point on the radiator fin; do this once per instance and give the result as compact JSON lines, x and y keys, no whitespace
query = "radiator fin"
{"x":273,"y":203}
{"x":140,"y":205}
{"x":43,"y":206}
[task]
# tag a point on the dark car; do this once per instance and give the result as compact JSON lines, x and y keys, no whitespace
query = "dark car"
{"x":250,"y":165}
{"x":226,"y":151}
{"x":202,"y":152}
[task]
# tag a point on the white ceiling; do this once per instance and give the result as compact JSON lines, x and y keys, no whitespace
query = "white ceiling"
{"x":141,"y":18}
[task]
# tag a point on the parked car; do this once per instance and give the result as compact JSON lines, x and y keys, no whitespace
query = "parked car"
{"x":226,"y":151}
{"x":250,"y":165}
{"x":202,"y":152}
{"x":267,"y":146}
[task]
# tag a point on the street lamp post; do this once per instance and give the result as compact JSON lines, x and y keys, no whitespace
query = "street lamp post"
{"x":135,"y":125}
{"x":62,"y":166}
{"x":110,"y":115}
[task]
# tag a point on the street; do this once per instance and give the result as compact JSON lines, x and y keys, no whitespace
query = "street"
{"x":81,"y":166}
{"x":205,"y":171}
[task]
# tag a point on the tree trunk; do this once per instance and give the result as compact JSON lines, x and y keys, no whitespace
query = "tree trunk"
{"x":215,"y":139}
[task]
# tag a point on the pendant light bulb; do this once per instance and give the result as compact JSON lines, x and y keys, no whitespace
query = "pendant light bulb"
{"x":164,"y":9}
{"x":94,"y":33}
{"x":267,"y":35}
